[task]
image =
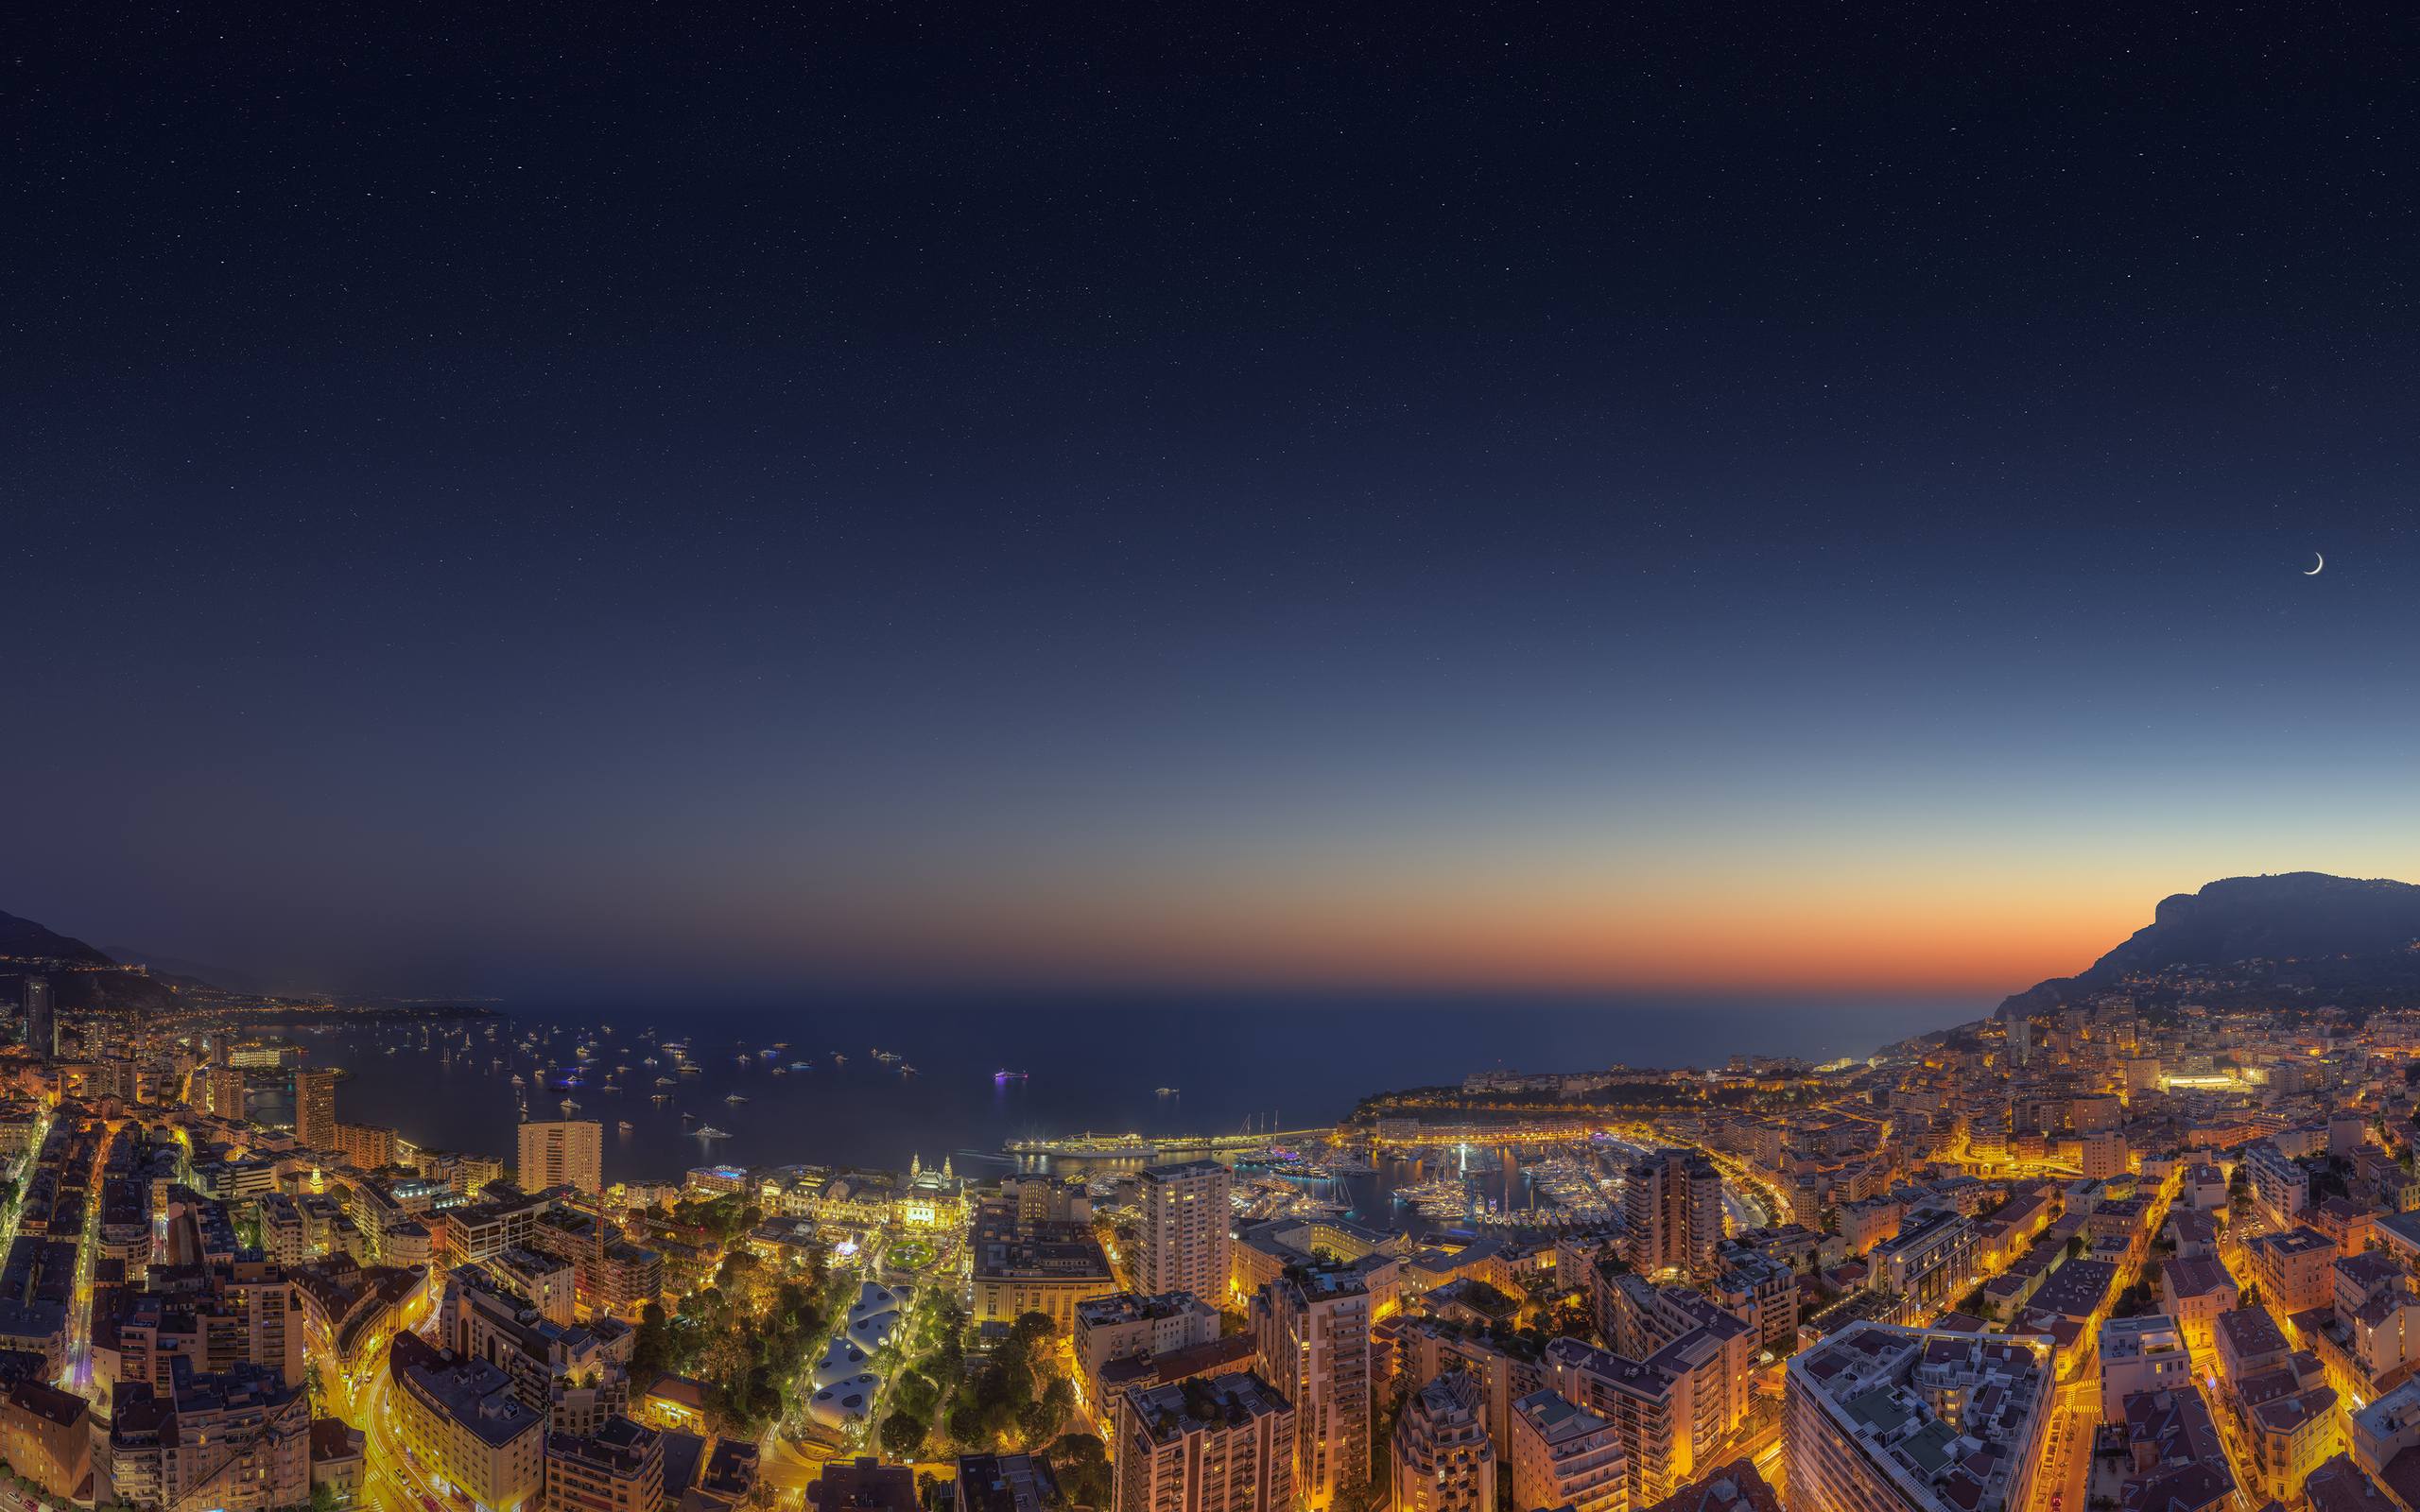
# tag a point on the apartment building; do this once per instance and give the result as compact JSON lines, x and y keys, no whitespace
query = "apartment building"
{"x":1186,"y":1219}
{"x":1311,"y":1336}
{"x":1217,"y":1444}
{"x":1440,"y":1458}
{"x":1563,"y":1455}
{"x":1878,"y":1418}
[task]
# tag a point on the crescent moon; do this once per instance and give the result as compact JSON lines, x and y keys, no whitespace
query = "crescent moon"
{"x":2322,"y":561}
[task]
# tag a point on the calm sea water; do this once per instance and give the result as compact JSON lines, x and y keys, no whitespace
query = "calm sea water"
{"x":1227,"y":1063}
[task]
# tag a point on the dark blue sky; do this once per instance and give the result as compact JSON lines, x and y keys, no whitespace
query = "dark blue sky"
{"x":1806,"y":499}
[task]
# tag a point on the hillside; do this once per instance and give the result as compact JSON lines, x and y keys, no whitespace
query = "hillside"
{"x":2317,"y":936}
{"x":82,"y":979}
{"x":21,"y":937}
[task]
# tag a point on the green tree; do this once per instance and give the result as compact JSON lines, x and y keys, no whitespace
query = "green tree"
{"x":902,"y":1435}
{"x":1080,"y":1463}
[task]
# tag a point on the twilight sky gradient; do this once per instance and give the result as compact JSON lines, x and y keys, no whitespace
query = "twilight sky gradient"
{"x":1659,"y":502}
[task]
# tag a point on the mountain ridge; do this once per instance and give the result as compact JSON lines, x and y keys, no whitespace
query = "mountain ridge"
{"x":24,"y":937}
{"x":2303,"y":931}
{"x":88,"y":978}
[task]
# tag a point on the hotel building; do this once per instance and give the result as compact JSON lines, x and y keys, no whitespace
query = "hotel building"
{"x":465,"y":1427}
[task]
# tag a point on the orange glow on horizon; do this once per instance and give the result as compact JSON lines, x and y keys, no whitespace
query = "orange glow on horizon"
{"x":1951,"y":934}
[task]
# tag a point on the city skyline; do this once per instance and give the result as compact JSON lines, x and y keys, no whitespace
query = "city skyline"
{"x":1618,"y":759}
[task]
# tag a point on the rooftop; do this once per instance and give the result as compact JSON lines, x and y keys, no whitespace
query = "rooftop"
{"x":1881,"y":1385}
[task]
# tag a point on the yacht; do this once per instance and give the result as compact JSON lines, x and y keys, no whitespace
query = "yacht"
{"x":708,"y":1131}
{"x":734,"y":1098}
{"x":802,"y":1065}
{"x":625,"y":1126}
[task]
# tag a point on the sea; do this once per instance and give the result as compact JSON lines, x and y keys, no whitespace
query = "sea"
{"x":881,"y":1082}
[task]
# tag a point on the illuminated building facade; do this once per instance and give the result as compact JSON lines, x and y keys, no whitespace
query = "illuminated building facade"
{"x":1187,"y":1216}
{"x":562,"y":1152}
{"x":314,"y":1108}
{"x":1441,"y":1460}
{"x":1223,"y":1444}
{"x":1672,"y":1210}
{"x":1879,"y":1419}
{"x":465,"y":1427}
{"x":1563,"y":1455}
{"x":1311,"y":1337}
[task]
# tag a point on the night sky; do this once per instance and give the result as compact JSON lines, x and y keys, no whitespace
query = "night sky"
{"x":1811,"y":500}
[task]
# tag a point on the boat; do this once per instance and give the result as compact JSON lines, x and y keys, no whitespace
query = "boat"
{"x":1008,"y":1075}
{"x":1164,"y":1092}
{"x":734,"y":1098}
{"x":802,"y":1065}
{"x":626,"y":1125}
{"x":517,"y":1081}
{"x":906,"y":1069}
{"x":661,"y":1098}
{"x":708,"y":1131}
{"x":569,"y":1107}
{"x":651,"y":1060}
{"x":688,"y":1118}
{"x":886,"y":1056}
{"x":838,"y":1059}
